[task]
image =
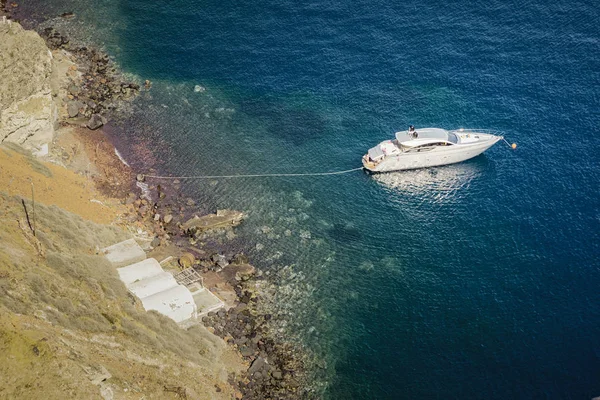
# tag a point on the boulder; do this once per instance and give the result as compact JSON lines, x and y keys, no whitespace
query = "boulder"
{"x":220,"y":260}
{"x":277,"y":374}
{"x":246,"y":351}
{"x":92,"y":104}
{"x":73,"y":108}
{"x":244,"y":272}
{"x":96,"y":121}
{"x":187,"y":260}
{"x":54,"y":39}
{"x":74,"y":90}
{"x":258,"y":365}
{"x":97,"y":373}
{"x":240,"y":258}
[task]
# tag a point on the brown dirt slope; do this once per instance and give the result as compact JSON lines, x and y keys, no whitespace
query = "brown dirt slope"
{"x":53,"y":185}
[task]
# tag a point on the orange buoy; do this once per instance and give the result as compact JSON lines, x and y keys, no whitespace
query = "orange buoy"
{"x":514,"y":146}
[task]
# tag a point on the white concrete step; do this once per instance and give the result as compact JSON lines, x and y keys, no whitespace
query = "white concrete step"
{"x":176,"y":303}
{"x":152,"y":285}
{"x":124,"y":253}
{"x":139,"y":271}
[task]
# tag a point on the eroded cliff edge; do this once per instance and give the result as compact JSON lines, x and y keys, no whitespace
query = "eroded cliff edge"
{"x":28,"y":109}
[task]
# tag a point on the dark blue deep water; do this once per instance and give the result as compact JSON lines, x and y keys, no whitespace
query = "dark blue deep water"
{"x":477,"y":280}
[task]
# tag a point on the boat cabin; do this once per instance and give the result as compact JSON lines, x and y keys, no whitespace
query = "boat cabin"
{"x":431,"y":134}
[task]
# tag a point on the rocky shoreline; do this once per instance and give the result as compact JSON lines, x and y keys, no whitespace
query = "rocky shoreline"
{"x":97,"y":89}
{"x":96,"y":92}
{"x":276,"y":369}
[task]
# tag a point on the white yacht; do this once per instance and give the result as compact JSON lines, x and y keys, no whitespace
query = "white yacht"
{"x":427,"y":147}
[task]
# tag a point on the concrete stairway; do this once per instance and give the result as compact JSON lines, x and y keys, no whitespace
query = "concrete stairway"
{"x":157,"y":289}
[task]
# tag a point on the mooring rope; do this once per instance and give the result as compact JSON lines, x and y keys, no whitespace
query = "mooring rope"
{"x":512,"y":146}
{"x":252,"y":175}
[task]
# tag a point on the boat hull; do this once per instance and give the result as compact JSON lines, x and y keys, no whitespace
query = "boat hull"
{"x":433,"y":158}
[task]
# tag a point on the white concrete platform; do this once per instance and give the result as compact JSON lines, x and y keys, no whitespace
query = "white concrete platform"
{"x":124,"y":253}
{"x":205,"y":300}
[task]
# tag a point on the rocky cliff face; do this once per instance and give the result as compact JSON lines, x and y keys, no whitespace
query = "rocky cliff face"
{"x":28,"y":113}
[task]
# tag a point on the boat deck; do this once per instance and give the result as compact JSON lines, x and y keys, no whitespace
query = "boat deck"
{"x":425,"y":133}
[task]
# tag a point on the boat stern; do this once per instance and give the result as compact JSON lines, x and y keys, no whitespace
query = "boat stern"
{"x":373,"y":158}
{"x":368,"y":164}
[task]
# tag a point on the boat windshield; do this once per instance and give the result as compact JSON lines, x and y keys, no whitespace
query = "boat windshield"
{"x":452,"y":138}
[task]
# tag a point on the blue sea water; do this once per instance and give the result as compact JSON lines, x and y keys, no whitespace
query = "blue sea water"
{"x":476,"y":280}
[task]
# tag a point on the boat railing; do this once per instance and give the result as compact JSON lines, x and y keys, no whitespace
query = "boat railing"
{"x":488,"y":131}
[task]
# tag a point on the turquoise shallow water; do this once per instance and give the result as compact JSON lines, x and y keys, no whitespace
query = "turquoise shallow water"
{"x":477,"y":280}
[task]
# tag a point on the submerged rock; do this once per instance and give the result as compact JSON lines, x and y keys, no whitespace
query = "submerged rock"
{"x":221,"y":219}
{"x":244,"y":272}
{"x":54,"y":39}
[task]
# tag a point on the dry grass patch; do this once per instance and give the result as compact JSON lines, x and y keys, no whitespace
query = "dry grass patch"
{"x":75,"y":288}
